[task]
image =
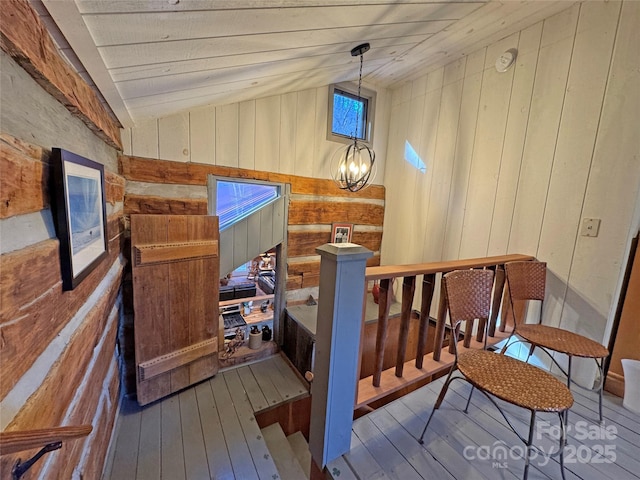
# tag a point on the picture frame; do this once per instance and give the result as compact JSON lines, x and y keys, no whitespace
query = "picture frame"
{"x":341,"y":232}
{"x":80,"y":216}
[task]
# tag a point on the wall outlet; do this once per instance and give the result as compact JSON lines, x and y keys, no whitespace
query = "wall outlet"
{"x":590,"y":227}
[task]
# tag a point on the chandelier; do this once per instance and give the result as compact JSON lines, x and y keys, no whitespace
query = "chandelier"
{"x":353,"y":166}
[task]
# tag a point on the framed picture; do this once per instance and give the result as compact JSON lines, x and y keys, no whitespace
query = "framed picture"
{"x":79,"y":210}
{"x":341,"y":232}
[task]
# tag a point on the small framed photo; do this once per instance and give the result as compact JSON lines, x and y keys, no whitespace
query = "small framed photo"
{"x":341,"y":232}
{"x":77,"y":188}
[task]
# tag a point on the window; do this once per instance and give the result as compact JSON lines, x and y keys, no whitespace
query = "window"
{"x":236,"y":200}
{"x":348,"y":115}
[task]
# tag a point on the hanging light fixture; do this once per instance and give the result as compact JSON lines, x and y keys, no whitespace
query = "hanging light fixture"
{"x":353,"y":166}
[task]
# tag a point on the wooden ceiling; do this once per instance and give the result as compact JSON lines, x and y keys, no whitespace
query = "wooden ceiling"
{"x":153,"y":58}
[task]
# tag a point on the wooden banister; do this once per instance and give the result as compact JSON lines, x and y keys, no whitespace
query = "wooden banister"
{"x":384,"y":303}
{"x":394,"y":271}
{"x":385,"y":273}
{"x":13,"y":442}
{"x":428,"y":286}
{"x":408,"y":290}
{"x":497,"y":298}
{"x":441,"y":320}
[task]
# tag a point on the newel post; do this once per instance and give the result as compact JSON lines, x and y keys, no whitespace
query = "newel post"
{"x":342,"y":283}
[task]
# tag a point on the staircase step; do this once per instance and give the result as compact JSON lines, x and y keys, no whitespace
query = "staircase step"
{"x":282,"y":453}
{"x":300,"y":448}
{"x":339,"y":469}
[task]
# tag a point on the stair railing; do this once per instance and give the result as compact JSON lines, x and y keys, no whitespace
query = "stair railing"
{"x":48,"y":439}
{"x":409,"y":273}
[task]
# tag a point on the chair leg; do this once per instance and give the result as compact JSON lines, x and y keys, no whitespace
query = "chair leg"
{"x":566,"y":412}
{"x":443,"y":392}
{"x":563,"y":442}
{"x":529,"y":443}
{"x":506,"y":345}
{"x":466,"y":408}
{"x":601,"y":365}
{"x":532,"y":347}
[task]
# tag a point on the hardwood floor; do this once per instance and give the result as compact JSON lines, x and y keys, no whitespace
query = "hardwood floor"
{"x":206,"y":431}
{"x":209,"y":431}
{"x":459,"y":445}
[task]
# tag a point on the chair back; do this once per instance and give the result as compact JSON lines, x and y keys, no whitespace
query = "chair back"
{"x":526,"y":280}
{"x":468,"y":294}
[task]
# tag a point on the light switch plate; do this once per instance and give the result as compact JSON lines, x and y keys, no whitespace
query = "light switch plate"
{"x":590,"y":227}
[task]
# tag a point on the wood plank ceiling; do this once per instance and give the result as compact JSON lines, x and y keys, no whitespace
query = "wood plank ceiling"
{"x":153,"y":58}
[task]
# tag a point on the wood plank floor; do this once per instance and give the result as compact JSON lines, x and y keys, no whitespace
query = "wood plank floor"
{"x":206,"y":431}
{"x":460,"y":446}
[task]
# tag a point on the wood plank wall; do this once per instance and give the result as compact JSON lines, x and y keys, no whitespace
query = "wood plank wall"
{"x":161,"y":186}
{"x":284,"y":134}
{"x":515,"y":160}
{"x":57,"y":356}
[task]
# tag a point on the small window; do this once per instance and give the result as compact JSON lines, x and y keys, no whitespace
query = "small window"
{"x":238,"y":200}
{"x":349,"y":115}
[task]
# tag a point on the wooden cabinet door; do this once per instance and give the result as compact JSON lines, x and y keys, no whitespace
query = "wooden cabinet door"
{"x":175,"y":267}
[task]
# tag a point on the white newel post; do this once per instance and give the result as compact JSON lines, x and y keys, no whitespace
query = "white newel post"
{"x":340,"y":303}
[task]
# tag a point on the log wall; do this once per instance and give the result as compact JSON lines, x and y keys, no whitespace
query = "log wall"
{"x":57,"y":356}
{"x":161,"y":186}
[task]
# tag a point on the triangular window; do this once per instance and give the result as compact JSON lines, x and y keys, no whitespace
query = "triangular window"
{"x":236,"y":200}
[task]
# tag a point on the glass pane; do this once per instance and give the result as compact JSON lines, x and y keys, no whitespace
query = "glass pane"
{"x":237,"y":200}
{"x":349,"y":115}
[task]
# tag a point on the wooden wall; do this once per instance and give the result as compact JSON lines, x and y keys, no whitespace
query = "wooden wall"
{"x":160,"y":186}
{"x":515,"y":160}
{"x":281,"y":134}
{"x":57,"y":355}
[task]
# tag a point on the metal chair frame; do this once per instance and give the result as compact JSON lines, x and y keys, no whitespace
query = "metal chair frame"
{"x":455,"y":328}
{"x":532,"y":346}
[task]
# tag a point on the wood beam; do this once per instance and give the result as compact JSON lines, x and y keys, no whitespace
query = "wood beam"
{"x":12,"y":442}
{"x":153,"y":254}
{"x":152,"y":170}
{"x":24,"y":37}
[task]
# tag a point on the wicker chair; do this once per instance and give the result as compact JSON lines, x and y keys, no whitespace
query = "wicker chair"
{"x":468,"y":296}
{"x":526,"y":281}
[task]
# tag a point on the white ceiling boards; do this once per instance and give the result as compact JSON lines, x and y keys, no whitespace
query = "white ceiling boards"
{"x":155,"y":58}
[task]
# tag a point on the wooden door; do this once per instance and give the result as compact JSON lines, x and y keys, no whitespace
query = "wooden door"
{"x":175,"y":296}
{"x":628,"y":332}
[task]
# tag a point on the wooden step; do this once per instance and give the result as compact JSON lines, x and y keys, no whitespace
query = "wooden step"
{"x":339,"y":469}
{"x":282,"y":453}
{"x":300,"y":448}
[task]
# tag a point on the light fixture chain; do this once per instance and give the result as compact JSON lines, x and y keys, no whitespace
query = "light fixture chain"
{"x":359,"y":98}
{"x":353,"y":166}
{"x":360,"y":77}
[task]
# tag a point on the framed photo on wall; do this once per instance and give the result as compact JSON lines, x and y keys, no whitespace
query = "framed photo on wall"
{"x":79,"y":210}
{"x":341,"y":232}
